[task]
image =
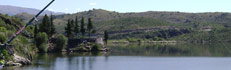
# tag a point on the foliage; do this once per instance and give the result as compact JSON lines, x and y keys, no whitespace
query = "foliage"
{"x":52,"y":27}
{"x":4,"y":53}
{"x":61,"y":42}
{"x":3,"y":38}
{"x":30,"y":29}
{"x":70,"y":29}
{"x":41,"y":41}
{"x":43,"y":47}
{"x":77,"y":27}
{"x":82,"y":29}
{"x":35,"y":31}
{"x":96,"y":47}
{"x":106,"y":36}
{"x":3,"y":29}
{"x":45,"y":25}
{"x":23,"y":39}
{"x":89,"y":27}
{"x":154,"y":35}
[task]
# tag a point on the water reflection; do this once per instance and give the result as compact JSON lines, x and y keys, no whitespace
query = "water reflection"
{"x":135,"y":57}
{"x":171,"y":50}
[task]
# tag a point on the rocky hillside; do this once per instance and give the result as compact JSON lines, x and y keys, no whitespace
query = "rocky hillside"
{"x":22,"y":46}
{"x":125,"y":24}
{"x":115,"y":21}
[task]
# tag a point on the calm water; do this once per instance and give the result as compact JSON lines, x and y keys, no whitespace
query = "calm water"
{"x":138,"y":57}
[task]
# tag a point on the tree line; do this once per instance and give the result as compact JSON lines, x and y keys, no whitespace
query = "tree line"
{"x":74,"y":29}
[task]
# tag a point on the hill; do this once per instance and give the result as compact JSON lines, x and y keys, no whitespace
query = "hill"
{"x":129,"y":21}
{"x":13,"y":10}
{"x":147,"y":25}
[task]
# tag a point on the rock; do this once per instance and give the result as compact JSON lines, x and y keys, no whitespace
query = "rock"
{"x":11,"y":63}
{"x":100,"y":41}
{"x":22,"y":60}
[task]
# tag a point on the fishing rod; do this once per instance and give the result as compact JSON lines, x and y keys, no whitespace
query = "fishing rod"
{"x":20,"y":30}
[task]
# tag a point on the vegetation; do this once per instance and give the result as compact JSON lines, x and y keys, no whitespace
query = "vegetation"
{"x":47,"y":26}
{"x":42,"y":41}
{"x":106,"y":36}
{"x":89,"y":27}
{"x":61,"y":42}
{"x":3,"y":38}
{"x":83,"y":28}
{"x":52,"y":27}
{"x":70,"y":29}
{"x":77,"y":27}
{"x":96,"y":47}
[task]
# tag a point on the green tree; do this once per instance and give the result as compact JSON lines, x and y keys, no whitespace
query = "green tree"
{"x":83,"y":29}
{"x":42,"y":41}
{"x":52,"y":27}
{"x":3,"y":38}
{"x":106,"y":36}
{"x":61,"y":42}
{"x":35,"y":31}
{"x":77,"y":28}
{"x":70,"y":29}
{"x":89,"y":27}
{"x":45,"y":25}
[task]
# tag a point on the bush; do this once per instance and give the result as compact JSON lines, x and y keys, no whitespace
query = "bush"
{"x":30,"y":29}
{"x":43,"y":47}
{"x":41,"y":42}
{"x":5,"y":53}
{"x":61,"y":42}
{"x":3,"y":29}
{"x":3,"y":38}
{"x":96,"y":47}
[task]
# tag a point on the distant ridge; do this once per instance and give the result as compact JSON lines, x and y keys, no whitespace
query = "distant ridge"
{"x":13,"y":10}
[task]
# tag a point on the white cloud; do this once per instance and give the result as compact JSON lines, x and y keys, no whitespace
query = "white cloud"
{"x":92,"y":4}
{"x":66,"y":9}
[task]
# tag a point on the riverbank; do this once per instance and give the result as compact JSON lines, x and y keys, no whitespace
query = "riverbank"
{"x":139,"y":41}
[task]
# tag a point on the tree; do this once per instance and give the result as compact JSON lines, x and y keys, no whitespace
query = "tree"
{"x":45,"y":25}
{"x":83,"y":29}
{"x":77,"y":28}
{"x":89,"y":27}
{"x":35,"y":31}
{"x":52,"y":27}
{"x":42,"y":41}
{"x":70,"y":29}
{"x":61,"y":42}
{"x":105,"y":36}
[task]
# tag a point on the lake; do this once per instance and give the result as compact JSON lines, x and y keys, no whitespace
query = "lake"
{"x":139,"y":57}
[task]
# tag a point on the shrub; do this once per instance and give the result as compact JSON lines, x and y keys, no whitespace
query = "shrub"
{"x":41,"y":41}
{"x":96,"y":47}
{"x":30,"y":29}
{"x":3,"y":38}
{"x":61,"y":42}
{"x":3,"y":29}
{"x":43,"y":47}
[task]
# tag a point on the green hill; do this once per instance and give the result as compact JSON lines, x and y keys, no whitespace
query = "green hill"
{"x":124,"y":23}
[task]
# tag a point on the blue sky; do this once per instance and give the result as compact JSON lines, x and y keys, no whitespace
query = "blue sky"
{"x":73,"y":6}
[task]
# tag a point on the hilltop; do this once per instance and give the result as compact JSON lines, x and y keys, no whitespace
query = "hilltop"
{"x":13,"y":10}
{"x":110,"y":19}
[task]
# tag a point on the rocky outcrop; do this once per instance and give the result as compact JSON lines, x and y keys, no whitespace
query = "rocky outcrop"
{"x":86,"y":45}
{"x":18,"y":61}
{"x":22,"y":60}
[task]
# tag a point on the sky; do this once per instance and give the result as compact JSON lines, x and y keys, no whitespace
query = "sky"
{"x":74,"y":6}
